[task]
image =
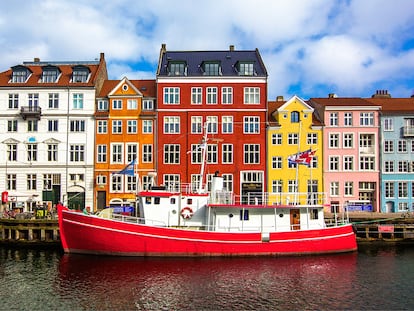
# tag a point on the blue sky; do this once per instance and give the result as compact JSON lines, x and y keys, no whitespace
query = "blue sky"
{"x":310,"y":47}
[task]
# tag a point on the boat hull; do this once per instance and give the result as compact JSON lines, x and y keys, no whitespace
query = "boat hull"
{"x":90,"y":234}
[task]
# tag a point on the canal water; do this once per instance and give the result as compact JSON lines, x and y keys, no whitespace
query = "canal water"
{"x":376,"y":277}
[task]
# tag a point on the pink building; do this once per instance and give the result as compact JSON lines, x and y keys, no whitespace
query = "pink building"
{"x":350,"y":152}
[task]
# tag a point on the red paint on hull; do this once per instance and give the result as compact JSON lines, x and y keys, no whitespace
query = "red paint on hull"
{"x":94,"y":235}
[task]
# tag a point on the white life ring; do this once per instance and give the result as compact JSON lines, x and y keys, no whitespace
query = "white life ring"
{"x":187,"y":212}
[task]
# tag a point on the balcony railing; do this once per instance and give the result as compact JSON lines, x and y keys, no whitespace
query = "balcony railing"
{"x":31,"y":112}
{"x":408,"y":131}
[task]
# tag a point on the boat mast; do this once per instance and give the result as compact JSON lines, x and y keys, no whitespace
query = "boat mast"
{"x":203,"y":146}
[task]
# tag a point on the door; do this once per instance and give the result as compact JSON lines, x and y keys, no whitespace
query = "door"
{"x":295,"y":219}
{"x":101,"y":198}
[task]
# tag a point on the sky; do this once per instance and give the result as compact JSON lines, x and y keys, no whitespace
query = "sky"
{"x":310,"y":48}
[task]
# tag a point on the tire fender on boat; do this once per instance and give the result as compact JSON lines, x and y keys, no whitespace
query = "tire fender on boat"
{"x":187,"y":212}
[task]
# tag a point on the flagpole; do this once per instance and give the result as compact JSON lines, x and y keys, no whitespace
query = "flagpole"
{"x":297,"y":165}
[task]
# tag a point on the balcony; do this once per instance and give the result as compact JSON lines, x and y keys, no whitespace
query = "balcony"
{"x":30,"y":112}
{"x":408,"y":131}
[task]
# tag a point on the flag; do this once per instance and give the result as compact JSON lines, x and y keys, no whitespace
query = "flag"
{"x":304,"y":157}
{"x":128,"y":170}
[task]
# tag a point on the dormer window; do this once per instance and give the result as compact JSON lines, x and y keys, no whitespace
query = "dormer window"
{"x":177,"y":68}
{"x":245,"y":68}
{"x":50,"y":74}
{"x":20,"y":74}
{"x":211,"y":68}
{"x":80,"y":74}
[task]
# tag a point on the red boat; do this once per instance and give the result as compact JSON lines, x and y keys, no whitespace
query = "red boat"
{"x":176,"y":223}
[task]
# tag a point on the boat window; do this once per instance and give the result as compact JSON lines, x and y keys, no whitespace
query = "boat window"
{"x":189,"y":201}
{"x":148,"y":200}
{"x":244,"y":214}
{"x":157,"y":200}
{"x":172,"y":200}
{"x":314,"y":214}
{"x":280,"y":215}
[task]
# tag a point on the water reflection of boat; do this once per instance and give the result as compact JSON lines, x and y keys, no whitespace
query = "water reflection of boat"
{"x":105,"y":282}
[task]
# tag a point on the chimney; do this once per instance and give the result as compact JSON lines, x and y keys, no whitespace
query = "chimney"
{"x":102,"y":56}
{"x":36,"y":59}
{"x":279,"y":98}
{"x":381,"y":94}
{"x":232,"y":48}
{"x":163,"y":47}
{"x":332,"y":95}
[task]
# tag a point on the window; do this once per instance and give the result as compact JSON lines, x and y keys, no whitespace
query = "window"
{"x":348,"y":119}
{"x":402,"y":189}
{"x":20,"y":74}
{"x":101,"y":180}
{"x":227,"y":124}
{"x":171,"y":154}
{"x":33,"y":100}
{"x":334,"y":163}
{"x":276,"y":162}
{"x":402,"y":146}
{"x":366,"y":119}
{"x":251,"y":154}
{"x":196,"y":95}
{"x":171,"y":95}
{"x":177,"y":69}
{"x":32,"y":125}
{"x":293,"y":138}
{"x":388,"y":124}
{"x":212,"y":124}
{"x":103,"y":105}
{"x":147,"y":126}
{"x":77,"y":125}
{"x":31,"y":152}
{"x":334,"y":188}
{"x":211,"y":68}
{"x":11,"y":126}
{"x":147,"y":104}
{"x":102,"y":126}
{"x":251,"y":95}
{"x":228,"y":182}
{"x":211,"y":95}
{"x":389,"y":166}
{"x":131,"y":183}
{"x":349,"y":188}
{"x":211,"y":153}
{"x":389,"y":189}
{"x":196,"y":125}
{"x":49,"y":74}
{"x":52,"y":152}
{"x":13,"y":101}
{"x":227,"y":95}
{"x":251,"y":125}
{"x":403,"y":166}
{"x":132,"y":104}
{"x":294,"y":117}
{"x":348,"y":163}
{"x":132,"y":126}
{"x":131,"y":152}
{"x":366,"y":143}
{"x":292,"y":187}
{"x":11,"y":182}
{"x":146,"y":153}
{"x":348,"y":140}
{"x":116,"y":104}
{"x":31,"y":182}
{"x":101,"y":152}
{"x":12,"y":152}
{"x":196,"y":154}
{"x":117,"y":153}
{"x":172,"y":125}
{"x":116,"y":126}
{"x":312,"y":139}
{"x":53,"y":100}
{"x":366,"y":163}
{"x":77,"y":153}
{"x":277,"y":186}
{"x":276,"y":139}
{"x":388,"y":146}
{"x":333,"y":140}
{"x":245,"y":68}
{"x":77,"y":101}
{"x":172,"y":181}
{"x":116,"y":183}
{"x":227,"y":153}
{"x":80,"y":74}
{"x":333,"y":119}
{"x":244,"y":214}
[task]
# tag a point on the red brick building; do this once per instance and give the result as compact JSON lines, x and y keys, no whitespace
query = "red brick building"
{"x":224,"y":93}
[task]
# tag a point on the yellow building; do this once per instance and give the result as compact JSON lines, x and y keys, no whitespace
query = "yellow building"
{"x":294,"y":133}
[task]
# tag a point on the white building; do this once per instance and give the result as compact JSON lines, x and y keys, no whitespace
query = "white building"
{"x":47,"y":128}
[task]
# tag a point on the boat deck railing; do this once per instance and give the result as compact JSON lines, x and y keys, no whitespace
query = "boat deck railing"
{"x":137,"y":220}
{"x":280,"y":198}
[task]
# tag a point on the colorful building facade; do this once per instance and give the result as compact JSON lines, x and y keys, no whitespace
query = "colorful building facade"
{"x":124,"y":146}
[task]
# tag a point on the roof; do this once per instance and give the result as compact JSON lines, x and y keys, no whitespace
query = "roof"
{"x":342,"y":101}
{"x":228,"y":60}
{"x":394,"y":105}
{"x":96,"y":68}
{"x":146,"y":87}
{"x":275,"y":105}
